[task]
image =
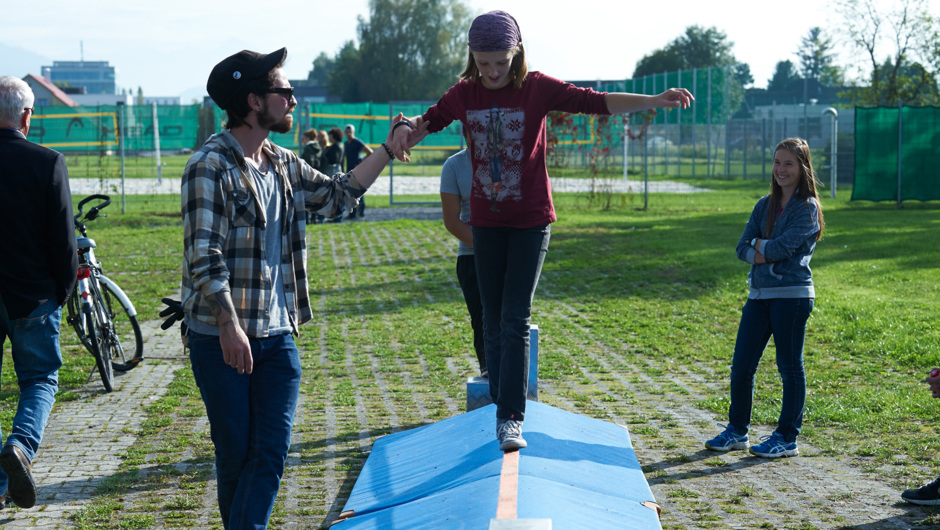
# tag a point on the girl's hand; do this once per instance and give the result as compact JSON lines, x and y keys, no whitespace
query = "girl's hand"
{"x":676,"y":97}
{"x":402,"y":138}
{"x":760,"y":259}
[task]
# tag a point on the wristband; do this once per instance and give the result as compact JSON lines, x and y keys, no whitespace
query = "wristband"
{"x":388,"y":150}
{"x":754,"y":242}
{"x":402,"y":122}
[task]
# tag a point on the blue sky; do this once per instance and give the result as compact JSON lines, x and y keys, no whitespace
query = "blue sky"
{"x":169,"y":47}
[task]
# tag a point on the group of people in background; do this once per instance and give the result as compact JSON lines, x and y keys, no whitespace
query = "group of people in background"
{"x":327,"y":152}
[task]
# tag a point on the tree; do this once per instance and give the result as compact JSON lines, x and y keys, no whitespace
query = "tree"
{"x":698,"y":48}
{"x":784,"y":77}
{"x":664,"y":60}
{"x":413,"y":51}
{"x":911,"y":83}
{"x":817,"y":58}
{"x":344,"y":77}
{"x":323,"y":66}
{"x":899,"y":42}
{"x":742,"y":74}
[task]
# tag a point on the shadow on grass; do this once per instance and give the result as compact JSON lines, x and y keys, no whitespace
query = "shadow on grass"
{"x":916,"y":518}
{"x":126,"y":482}
{"x":703,"y":454}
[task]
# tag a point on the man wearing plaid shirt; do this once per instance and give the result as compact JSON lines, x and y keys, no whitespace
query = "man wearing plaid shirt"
{"x":244,"y":288}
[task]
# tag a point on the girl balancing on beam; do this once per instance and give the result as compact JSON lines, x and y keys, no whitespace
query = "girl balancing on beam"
{"x":503,"y":106}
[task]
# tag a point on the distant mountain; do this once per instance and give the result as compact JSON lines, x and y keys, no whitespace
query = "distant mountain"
{"x":194,"y":93}
{"x":19,"y":62}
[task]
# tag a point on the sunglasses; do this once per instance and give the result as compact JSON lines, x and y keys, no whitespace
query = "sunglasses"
{"x":287,"y":92}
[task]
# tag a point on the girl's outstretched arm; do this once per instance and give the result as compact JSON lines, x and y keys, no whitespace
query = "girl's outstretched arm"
{"x":622,"y":102}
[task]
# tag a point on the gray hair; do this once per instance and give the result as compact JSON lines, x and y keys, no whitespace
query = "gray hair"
{"x":15,"y":97}
{"x":350,"y":127}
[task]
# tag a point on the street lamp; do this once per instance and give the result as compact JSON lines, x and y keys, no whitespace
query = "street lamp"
{"x":833,"y":150}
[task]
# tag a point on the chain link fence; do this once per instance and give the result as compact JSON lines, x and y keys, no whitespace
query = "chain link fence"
{"x":703,"y":142}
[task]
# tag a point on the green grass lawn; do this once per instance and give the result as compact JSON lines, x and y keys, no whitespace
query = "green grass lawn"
{"x":664,"y":281}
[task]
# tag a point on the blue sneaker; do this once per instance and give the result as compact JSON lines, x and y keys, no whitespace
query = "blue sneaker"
{"x":727,"y":440}
{"x":774,"y":446}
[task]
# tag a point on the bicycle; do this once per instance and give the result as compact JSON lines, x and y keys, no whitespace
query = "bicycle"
{"x":101,"y":314}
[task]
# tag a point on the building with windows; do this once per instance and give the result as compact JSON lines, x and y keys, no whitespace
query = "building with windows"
{"x":98,"y":77}
{"x":162,"y":101}
{"x":95,"y":100}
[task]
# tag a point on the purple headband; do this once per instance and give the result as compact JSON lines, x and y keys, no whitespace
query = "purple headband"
{"x":493,"y":32}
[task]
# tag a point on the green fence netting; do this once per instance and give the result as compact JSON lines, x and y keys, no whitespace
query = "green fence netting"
{"x":712,"y":94}
{"x":884,"y":134}
{"x":97,"y":129}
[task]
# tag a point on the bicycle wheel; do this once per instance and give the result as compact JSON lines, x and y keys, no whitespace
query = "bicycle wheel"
{"x":127,"y":342}
{"x":99,"y":348}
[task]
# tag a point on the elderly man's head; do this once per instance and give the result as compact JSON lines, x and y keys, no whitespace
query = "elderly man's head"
{"x":16,"y":103}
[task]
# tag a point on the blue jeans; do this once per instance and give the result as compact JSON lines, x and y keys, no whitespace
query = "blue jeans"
{"x":509,"y":263}
{"x":250,"y":418}
{"x":785,"y":319}
{"x":34,"y":342}
{"x":467,"y":277}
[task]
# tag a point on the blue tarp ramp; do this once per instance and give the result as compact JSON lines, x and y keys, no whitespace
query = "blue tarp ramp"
{"x":577,"y":472}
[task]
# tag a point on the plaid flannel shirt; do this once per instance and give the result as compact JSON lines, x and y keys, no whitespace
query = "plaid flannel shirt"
{"x":223,"y":231}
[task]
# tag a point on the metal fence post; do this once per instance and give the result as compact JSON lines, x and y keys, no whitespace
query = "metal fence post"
{"x":708,"y":129}
{"x":646,"y":171}
{"x":833,"y":151}
{"x":123,"y":107}
{"x":679,"y":133}
{"x":726,"y":116}
{"x":900,"y":146}
{"x":763,"y":147}
{"x":744,"y":146}
{"x":694,"y":91}
{"x":156,"y":143}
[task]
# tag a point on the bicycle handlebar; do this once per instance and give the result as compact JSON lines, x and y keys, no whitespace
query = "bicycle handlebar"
{"x":93,"y":212}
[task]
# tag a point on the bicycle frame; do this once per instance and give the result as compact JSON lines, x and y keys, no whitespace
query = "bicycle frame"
{"x":93,"y":268}
{"x":83,"y":288}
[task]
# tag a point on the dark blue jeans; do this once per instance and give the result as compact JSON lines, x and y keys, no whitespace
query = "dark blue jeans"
{"x":508,"y":262}
{"x":250,"y":419}
{"x":467,"y":277}
{"x":34,"y":344}
{"x":784,"y":319}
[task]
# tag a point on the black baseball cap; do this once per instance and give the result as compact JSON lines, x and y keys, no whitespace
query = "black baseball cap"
{"x":237,"y":75}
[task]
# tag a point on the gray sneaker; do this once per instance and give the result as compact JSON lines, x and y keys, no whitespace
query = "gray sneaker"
{"x":509,"y":434}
